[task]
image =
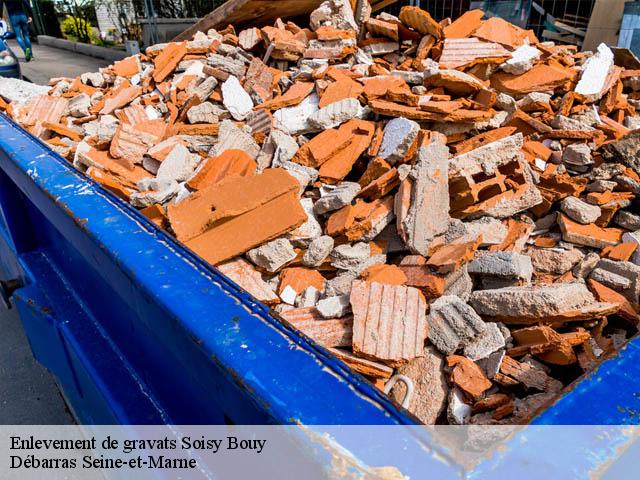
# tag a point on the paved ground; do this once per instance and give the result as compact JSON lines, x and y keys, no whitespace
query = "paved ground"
{"x":28,"y":394}
{"x":51,"y":62}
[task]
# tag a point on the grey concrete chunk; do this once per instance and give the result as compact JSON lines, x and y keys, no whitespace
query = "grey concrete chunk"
{"x":285,"y":146}
{"x":452,"y":324}
{"x":491,"y":364}
{"x":485,"y":344}
{"x":340,"y":284}
{"x":295,"y":120}
{"x":530,"y":302}
{"x":610,"y":279}
{"x":308,"y":298}
{"x":488,"y":157}
{"x":628,"y":220}
{"x":601,"y":186}
{"x":555,"y":260}
{"x":458,"y":412}
{"x":459,"y":283}
{"x":561,"y":122}
{"x":79,"y":105}
{"x":227,"y":64}
{"x":206,"y":112}
{"x":430,"y":389}
{"x":203,"y":89}
{"x":272,"y":255}
{"x":232,"y":137}
{"x":236,"y":99}
{"x":95,"y":79}
{"x":336,"y":114}
{"x":399,"y":135}
{"x":633,"y":237}
{"x":166,"y":192}
{"x":628,"y":270}
{"x":179,"y":165}
{"x":348,"y":257}
{"x":586,"y":265}
{"x":577,"y":156}
{"x":507,"y":265}
{"x":493,"y":231}
{"x":333,"y":197}
{"x":626,"y":151}
{"x":334,"y":307}
{"x":427,"y":214}
{"x":305,"y":233}
{"x":581,"y":212}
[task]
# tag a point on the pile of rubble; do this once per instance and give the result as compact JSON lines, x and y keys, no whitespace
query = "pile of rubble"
{"x":447,"y":205}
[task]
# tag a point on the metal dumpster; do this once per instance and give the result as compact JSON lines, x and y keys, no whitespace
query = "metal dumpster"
{"x":138,"y":330}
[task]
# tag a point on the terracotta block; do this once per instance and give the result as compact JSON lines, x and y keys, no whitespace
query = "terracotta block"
{"x":44,"y":109}
{"x":209,"y":129}
{"x":328,"y":333}
{"x":293,"y":96}
{"x":387,"y":274}
{"x":336,"y":91}
{"x":322,"y":147}
{"x":537,"y":149}
{"x":236,"y":235}
{"x":215,"y":169}
{"x":62,"y":130}
{"x":621,"y":252}
{"x":482,"y":139}
{"x":420,"y":276}
{"x":495,"y":29}
{"x":357,"y":221}
{"x":490,"y":402}
{"x":339,"y":165}
{"x":378,"y":86}
{"x":166,"y":62}
{"x":628,"y":310}
{"x":525,"y":374}
{"x":248,"y":278}
{"x":120,"y":99}
{"x":126,"y":173}
{"x":156,"y":214}
{"x":449,"y":258}
{"x":235,"y":197}
{"x":376,"y":168}
{"x":299,"y":279}
{"x":380,"y":28}
{"x":464,"y":25}
{"x":389,"y":322}
{"x":160,"y":151}
{"x":381,"y":186}
{"x":541,"y":78}
{"x":588,"y":235}
{"x":328,"y":33}
{"x":110,"y":182}
{"x":132,"y":114}
{"x":421,"y":21}
{"x":468,"y":376}
{"x":518,"y":234}
{"x":363,"y":366}
{"x":391,"y":109}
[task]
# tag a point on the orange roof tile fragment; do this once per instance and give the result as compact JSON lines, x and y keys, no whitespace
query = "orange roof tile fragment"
{"x":227,"y":164}
{"x":464,"y":25}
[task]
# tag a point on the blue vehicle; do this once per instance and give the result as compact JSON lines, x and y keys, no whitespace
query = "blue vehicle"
{"x":9,"y":64}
